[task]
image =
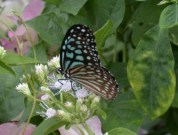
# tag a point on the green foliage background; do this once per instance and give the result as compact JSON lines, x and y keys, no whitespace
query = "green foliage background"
{"x":136,"y":40}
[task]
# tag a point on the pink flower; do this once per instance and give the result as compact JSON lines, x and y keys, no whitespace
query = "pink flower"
{"x":14,"y":129}
{"x":93,"y":123}
{"x":32,"y":10}
{"x":10,"y":45}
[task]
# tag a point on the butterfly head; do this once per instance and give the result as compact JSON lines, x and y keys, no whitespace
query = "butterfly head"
{"x":60,"y":71}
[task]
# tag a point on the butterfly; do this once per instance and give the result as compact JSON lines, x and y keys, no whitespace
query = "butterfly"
{"x":80,"y":62}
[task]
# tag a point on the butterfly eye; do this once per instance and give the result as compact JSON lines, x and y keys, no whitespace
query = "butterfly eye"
{"x":59,"y":70}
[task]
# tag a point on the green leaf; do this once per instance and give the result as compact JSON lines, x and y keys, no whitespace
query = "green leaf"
{"x":41,"y":53}
{"x":151,"y":72}
{"x":72,"y":6}
{"x":112,"y":48}
{"x":15,"y":59}
{"x":119,"y":71}
{"x":48,"y":126}
{"x":121,"y":131}
{"x":102,"y":34}
{"x":100,"y":11}
{"x":4,"y":68}
{"x":125,"y":112}
{"x":173,"y":32}
{"x":175,"y":52}
{"x":50,"y":28}
{"x":11,"y":101}
{"x":51,"y":2}
{"x":169,"y":16}
{"x":143,"y":20}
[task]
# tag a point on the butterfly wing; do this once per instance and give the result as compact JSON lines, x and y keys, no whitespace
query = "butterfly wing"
{"x":78,"y":48}
{"x":98,"y":80}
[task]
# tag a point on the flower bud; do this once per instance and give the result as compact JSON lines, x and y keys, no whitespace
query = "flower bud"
{"x":83,"y":108}
{"x":64,"y":115}
{"x":2,"y":52}
{"x":96,"y":99}
{"x":68,"y":104}
{"x":45,"y":97}
{"x":41,"y":72}
{"x":60,"y":112}
{"x":80,"y":101}
{"x":23,"y":88}
{"x":24,"y":79}
{"x":95,"y":103}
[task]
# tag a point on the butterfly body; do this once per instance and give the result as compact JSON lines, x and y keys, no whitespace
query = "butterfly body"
{"x":80,"y":62}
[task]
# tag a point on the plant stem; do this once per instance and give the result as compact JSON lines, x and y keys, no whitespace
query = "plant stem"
{"x":88,"y":129}
{"x":102,"y":57}
{"x":80,"y":130}
{"x":125,"y":52}
{"x":115,"y":48}
{"x":61,"y":98}
{"x":34,"y":95}
{"x":29,"y":35}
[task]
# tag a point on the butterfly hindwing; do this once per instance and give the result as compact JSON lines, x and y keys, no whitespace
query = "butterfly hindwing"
{"x":96,"y":79}
{"x":78,"y":48}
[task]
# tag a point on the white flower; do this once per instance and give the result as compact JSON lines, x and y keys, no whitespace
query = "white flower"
{"x":57,"y":85}
{"x":23,"y":88}
{"x":50,"y":112}
{"x":62,"y":85}
{"x":54,"y":62}
{"x":41,"y":69}
{"x":66,"y":86}
{"x":43,"y":88}
{"x":45,"y":97}
{"x":81,"y":93}
{"x":2,"y":52}
{"x":83,"y":108}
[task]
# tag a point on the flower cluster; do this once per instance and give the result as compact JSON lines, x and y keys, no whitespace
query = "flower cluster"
{"x":59,"y":97}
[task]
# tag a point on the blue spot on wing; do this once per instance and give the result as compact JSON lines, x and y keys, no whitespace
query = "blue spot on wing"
{"x":78,"y":51}
{"x":78,"y":44}
{"x":80,"y":58}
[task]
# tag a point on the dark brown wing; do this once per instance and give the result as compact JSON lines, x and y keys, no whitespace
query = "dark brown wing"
{"x":96,"y":79}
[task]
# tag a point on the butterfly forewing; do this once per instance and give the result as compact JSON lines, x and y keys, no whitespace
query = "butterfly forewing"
{"x":96,"y":79}
{"x":78,"y":48}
